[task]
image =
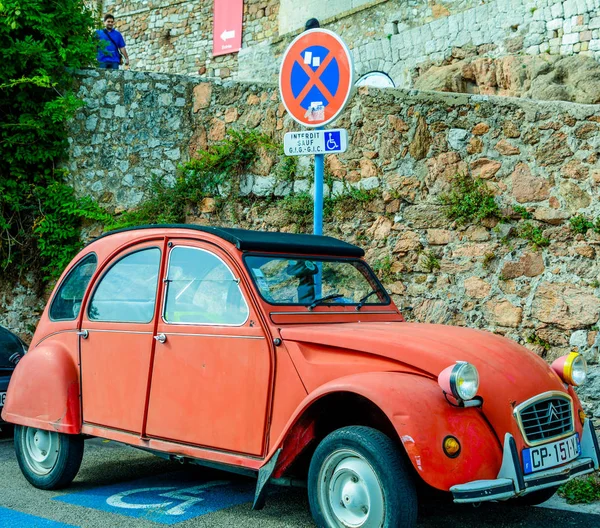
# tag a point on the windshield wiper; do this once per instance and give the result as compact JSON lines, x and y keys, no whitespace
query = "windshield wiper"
{"x":362,"y":302}
{"x":323,"y":299}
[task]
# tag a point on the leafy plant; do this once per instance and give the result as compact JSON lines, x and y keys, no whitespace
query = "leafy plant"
{"x":383,"y":269}
{"x":580,"y":224}
{"x":583,"y":489}
{"x":216,"y":172}
{"x":522,"y":212}
{"x":533,"y":235}
{"x":469,"y":200}
{"x":41,"y":43}
{"x":430,"y":261}
{"x":299,"y":209}
{"x":535,"y":339}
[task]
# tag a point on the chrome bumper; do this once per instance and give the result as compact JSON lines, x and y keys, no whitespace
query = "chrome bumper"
{"x":512,"y":483}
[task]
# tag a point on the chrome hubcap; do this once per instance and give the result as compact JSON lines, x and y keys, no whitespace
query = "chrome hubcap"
{"x":349,"y":491}
{"x":40,"y":449}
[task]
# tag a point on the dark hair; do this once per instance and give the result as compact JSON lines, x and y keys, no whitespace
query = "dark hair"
{"x":107,"y":16}
{"x":311,"y":23}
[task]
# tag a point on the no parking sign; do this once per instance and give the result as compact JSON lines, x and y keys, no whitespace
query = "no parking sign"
{"x":316,"y":77}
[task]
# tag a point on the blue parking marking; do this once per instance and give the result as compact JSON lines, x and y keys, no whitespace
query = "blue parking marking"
{"x":166,"y":499}
{"x":17,"y":519}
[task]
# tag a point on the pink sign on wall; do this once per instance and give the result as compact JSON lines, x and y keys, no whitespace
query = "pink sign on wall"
{"x":227,"y":26}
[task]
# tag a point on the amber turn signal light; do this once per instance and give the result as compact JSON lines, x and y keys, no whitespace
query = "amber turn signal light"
{"x":451,"y":447}
{"x":581,"y":416}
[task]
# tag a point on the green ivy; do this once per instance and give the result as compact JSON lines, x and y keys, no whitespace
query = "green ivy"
{"x":469,"y":200}
{"x":41,"y":43}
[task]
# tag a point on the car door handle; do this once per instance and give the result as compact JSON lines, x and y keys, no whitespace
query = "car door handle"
{"x":161,"y":338}
{"x":84,"y":334}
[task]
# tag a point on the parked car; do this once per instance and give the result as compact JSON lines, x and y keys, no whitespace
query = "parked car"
{"x":12,"y":349}
{"x":281,"y":355}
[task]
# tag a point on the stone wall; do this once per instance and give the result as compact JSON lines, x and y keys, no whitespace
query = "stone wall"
{"x":405,"y":148}
{"x":175,"y":36}
{"x":398,"y":38}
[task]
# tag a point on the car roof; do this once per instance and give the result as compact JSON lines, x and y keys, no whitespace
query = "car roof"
{"x":248,"y":240}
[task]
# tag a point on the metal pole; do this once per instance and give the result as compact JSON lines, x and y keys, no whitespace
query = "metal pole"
{"x":318,"y":207}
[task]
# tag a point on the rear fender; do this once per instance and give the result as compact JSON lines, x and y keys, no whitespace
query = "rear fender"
{"x":44,"y":391}
{"x":421,"y":418}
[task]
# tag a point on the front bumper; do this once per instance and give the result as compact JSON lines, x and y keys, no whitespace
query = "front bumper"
{"x":512,"y":483}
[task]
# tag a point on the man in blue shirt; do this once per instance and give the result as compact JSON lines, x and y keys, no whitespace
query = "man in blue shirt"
{"x":113,"y":43}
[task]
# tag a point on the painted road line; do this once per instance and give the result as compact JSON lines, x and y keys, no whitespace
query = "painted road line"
{"x":165,"y":499}
{"x":17,"y":519}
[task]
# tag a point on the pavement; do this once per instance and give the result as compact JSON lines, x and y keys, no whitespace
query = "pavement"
{"x":119,"y":486}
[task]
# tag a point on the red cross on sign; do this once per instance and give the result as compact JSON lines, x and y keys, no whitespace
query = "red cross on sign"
{"x":316,"y":77}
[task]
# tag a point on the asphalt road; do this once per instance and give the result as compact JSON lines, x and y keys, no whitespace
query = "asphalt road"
{"x":120,"y":486}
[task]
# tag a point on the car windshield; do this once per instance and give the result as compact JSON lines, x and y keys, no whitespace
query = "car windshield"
{"x":311,"y":281}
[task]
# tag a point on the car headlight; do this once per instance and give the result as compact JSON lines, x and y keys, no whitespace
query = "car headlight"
{"x":460,"y":380}
{"x":572,"y":368}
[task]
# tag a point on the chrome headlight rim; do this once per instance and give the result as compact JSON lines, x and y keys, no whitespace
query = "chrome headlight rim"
{"x":459,"y":372}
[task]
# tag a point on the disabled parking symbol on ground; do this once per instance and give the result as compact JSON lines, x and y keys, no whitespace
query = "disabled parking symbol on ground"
{"x":167,"y":499}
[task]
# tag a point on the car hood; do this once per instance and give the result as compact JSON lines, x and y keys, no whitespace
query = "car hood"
{"x":506,"y":369}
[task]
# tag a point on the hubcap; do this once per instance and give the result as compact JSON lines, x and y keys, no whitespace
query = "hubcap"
{"x":349,"y":491}
{"x":40,"y":449}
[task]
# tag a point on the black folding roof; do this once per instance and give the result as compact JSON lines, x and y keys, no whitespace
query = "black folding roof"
{"x":247,"y":240}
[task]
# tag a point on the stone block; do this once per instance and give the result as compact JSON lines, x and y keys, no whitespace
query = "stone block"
{"x":571,"y":38}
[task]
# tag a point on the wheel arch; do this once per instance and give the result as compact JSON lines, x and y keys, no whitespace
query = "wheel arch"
{"x":408,"y":408}
{"x":44,"y":391}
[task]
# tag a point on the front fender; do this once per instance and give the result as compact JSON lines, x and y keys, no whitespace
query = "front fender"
{"x":422,"y":418}
{"x":44,"y":391}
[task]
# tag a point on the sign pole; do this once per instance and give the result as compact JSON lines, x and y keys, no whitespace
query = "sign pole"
{"x":318,"y":205}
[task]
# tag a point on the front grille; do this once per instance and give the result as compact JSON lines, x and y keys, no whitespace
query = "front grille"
{"x":546,"y":419}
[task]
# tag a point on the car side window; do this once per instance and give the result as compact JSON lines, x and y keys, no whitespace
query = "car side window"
{"x":127,"y":292}
{"x":201,"y":289}
{"x":67,"y":301}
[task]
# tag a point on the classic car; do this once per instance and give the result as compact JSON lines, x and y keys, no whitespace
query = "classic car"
{"x":282,"y":356}
{"x":12,"y":349}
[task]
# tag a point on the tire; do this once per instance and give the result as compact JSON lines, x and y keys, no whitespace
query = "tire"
{"x":358,"y":478}
{"x":48,"y":460}
{"x":535,"y":497}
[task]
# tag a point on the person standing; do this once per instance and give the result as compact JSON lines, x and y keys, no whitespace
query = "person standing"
{"x":113,"y":53}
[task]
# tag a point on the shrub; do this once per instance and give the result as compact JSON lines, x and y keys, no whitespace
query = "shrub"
{"x":40,"y":43}
{"x":470,"y":200}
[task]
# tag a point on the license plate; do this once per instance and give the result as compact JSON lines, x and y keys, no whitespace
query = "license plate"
{"x":2,"y":398}
{"x":550,"y":455}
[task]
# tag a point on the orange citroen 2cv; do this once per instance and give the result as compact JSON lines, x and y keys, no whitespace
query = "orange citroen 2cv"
{"x":282,"y":355}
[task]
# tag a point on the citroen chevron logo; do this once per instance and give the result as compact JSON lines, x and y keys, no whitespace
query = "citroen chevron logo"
{"x":552,"y":414}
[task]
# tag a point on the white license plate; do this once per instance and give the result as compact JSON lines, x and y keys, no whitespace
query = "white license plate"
{"x":2,"y":398}
{"x":550,"y":455}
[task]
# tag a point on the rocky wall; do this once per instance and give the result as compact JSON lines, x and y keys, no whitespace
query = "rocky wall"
{"x":406,"y":148}
{"x":401,"y":39}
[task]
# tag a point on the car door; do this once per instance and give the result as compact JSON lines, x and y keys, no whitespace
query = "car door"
{"x":211,"y":378}
{"x":117,"y":339}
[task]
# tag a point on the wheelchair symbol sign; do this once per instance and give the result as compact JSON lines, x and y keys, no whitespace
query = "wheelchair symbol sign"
{"x":307,"y":142}
{"x":333,"y":142}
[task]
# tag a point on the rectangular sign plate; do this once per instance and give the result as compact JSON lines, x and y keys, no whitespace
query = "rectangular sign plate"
{"x":309,"y":142}
{"x":550,"y":455}
{"x":2,"y":398}
{"x":227,"y":26}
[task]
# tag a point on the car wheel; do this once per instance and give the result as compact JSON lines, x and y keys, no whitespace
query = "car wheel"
{"x":48,"y":460}
{"x":357,"y":478}
{"x":535,"y":497}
